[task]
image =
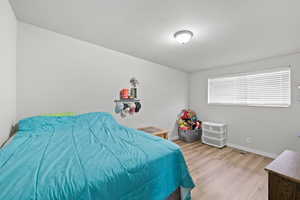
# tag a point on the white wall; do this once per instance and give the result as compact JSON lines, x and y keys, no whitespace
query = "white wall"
{"x":8,"y":32}
{"x":272,"y":129}
{"x":56,"y":73}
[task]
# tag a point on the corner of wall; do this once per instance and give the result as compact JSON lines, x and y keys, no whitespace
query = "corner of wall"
{"x":189,"y":92}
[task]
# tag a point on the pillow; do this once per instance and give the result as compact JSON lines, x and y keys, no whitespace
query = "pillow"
{"x":60,"y":114}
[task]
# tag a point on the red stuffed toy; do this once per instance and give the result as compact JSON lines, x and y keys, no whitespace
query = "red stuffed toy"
{"x":185,"y":115}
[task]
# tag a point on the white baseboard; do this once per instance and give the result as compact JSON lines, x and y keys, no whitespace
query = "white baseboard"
{"x":255,"y":151}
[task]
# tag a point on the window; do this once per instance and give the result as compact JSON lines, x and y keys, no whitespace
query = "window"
{"x":268,"y":88}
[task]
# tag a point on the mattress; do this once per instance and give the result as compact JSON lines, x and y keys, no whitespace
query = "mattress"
{"x":89,"y":157}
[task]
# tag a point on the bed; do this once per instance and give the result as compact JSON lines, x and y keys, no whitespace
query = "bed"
{"x":90,"y":157}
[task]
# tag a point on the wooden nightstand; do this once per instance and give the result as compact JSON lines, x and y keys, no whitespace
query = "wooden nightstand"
{"x":155,"y":131}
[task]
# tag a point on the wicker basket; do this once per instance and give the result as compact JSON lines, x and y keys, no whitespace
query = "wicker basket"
{"x":189,"y":135}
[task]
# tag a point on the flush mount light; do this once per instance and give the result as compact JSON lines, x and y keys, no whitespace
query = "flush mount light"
{"x":183,"y":36}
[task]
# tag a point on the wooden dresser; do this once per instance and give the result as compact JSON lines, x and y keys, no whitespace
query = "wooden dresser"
{"x":284,"y":177}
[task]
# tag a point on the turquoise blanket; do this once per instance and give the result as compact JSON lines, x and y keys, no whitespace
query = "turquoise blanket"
{"x":89,"y":157}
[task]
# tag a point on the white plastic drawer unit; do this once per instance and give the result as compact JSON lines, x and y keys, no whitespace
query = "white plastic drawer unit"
{"x":214,"y":134}
{"x":214,"y":127}
{"x":214,"y":142}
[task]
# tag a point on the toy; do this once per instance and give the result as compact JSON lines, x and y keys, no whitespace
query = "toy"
{"x":138,"y":106}
{"x":133,"y":89}
{"x":124,"y":93}
{"x":119,"y":107}
{"x":187,"y":120}
{"x":132,"y":108}
{"x":134,"y":82}
{"x":184,"y":128}
{"x":126,"y":110}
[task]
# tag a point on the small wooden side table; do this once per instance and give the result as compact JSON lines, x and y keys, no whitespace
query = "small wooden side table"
{"x":155,"y":131}
{"x":284,"y":177}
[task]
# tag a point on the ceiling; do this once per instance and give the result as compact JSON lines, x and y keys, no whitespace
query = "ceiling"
{"x":225,"y":32}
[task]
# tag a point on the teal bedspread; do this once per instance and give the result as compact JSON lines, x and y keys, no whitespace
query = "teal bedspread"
{"x":89,"y":157}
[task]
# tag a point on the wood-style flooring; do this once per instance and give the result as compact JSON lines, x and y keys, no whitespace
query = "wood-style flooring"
{"x":225,"y":174}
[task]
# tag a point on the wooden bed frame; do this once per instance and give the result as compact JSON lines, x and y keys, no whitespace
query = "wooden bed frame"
{"x":175,"y":195}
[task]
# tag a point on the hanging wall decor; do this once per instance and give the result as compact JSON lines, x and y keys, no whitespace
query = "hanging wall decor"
{"x":128,"y":104}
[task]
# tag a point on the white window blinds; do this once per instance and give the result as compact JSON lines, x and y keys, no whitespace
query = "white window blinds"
{"x":268,"y":88}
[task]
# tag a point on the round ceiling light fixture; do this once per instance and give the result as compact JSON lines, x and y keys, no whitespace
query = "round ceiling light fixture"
{"x":183,"y":36}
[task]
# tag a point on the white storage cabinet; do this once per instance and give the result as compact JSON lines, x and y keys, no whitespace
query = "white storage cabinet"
{"x":214,"y":134}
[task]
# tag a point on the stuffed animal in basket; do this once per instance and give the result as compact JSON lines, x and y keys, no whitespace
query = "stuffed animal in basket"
{"x":187,"y":120}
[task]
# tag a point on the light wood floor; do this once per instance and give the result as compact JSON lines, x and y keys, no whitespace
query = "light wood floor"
{"x":225,"y":174}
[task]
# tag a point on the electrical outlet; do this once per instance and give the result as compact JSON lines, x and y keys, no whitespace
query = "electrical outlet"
{"x":248,"y":140}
